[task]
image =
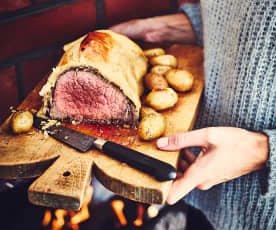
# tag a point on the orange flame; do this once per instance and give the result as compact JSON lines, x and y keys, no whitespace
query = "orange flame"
{"x":59,"y":221}
{"x":83,"y":214}
{"x":76,"y":217}
{"x":118,"y":207}
{"x":47,"y":218}
{"x":140,"y":212}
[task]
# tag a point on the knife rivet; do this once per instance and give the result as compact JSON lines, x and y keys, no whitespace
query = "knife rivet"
{"x":67,"y":173}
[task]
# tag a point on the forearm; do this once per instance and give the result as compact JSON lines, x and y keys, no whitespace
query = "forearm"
{"x":173,"y":28}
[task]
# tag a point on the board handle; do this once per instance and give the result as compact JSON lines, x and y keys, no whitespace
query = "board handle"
{"x":64,"y":184}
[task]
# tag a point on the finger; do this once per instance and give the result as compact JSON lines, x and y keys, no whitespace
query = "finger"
{"x":183,"y":140}
{"x":116,"y":28}
{"x":154,"y":37}
{"x":129,"y":29}
{"x":188,"y":156}
{"x":191,"y":178}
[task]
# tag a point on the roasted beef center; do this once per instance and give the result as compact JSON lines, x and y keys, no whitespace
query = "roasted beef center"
{"x":81,"y":94}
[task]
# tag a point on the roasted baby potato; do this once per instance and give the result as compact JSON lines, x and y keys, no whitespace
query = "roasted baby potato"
{"x":21,"y":121}
{"x":168,"y":60}
{"x":145,"y":111}
{"x":161,"y":99}
{"x":180,"y":80}
{"x":154,"y":52}
{"x":160,"y":69}
{"x":152,"y":126}
{"x":155,"y":81}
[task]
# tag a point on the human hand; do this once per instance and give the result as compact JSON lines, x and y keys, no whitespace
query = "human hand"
{"x":174,"y":28}
{"x":227,"y":153}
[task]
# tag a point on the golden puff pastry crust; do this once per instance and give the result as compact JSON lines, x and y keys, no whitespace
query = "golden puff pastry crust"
{"x":115,"y":57}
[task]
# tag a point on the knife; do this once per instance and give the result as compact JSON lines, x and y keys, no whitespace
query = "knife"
{"x":160,"y":170}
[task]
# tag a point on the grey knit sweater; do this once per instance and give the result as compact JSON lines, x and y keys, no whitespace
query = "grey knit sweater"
{"x":240,"y":90}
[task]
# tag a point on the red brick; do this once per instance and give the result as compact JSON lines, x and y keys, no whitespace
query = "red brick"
{"x":121,"y":10}
{"x":34,"y":70}
{"x":63,"y":23}
{"x":42,"y":1}
{"x":8,"y":89}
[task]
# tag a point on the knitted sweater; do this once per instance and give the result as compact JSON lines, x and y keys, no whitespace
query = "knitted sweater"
{"x":240,"y":90}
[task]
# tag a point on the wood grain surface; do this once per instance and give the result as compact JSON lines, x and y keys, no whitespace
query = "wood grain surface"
{"x":63,"y":184}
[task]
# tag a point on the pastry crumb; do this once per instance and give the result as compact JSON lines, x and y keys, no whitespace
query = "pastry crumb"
{"x":48,"y":124}
{"x":45,"y":133}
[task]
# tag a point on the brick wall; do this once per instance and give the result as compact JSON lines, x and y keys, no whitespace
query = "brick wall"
{"x":25,"y":40}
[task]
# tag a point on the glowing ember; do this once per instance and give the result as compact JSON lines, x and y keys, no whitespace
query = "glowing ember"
{"x":152,"y":211}
{"x":118,"y":207}
{"x":140,"y":212}
{"x":75,"y":217}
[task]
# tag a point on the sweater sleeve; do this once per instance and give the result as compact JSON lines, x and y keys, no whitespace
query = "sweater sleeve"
{"x":270,"y":189}
{"x":192,"y":10}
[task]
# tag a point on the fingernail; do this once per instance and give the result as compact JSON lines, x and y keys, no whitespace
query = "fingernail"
{"x":163,"y":142}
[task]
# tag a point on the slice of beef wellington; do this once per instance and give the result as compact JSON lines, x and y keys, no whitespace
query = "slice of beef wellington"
{"x":98,"y":80}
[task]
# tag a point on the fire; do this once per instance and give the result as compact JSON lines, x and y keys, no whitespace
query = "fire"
{"x":140,"y":212}
{"x":152,"y":212}
{"x":118,"y":207}
{"x":47,"y":218}
{"x":75,"y":217}
{"x":59,"y":221}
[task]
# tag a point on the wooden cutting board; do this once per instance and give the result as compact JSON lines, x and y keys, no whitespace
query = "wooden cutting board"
{"x":65,"y":173}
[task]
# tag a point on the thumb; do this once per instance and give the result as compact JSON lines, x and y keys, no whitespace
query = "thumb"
{"x":183,"y":140}
{"x":191,"y":178}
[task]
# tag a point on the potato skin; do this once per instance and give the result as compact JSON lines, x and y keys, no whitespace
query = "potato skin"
{"x":180,"y":80}
{"x":152,"y":126}
{"x":160,"y":69}
{"x":155,"y":81}
{"x":168,"y":60}
{"x":21,"y":122}
{"x":161,"y":99}
{"x":154,"y":52}
{"x":145,"y":111}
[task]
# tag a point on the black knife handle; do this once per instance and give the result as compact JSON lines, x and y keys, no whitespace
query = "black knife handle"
{"x":160,"y":170}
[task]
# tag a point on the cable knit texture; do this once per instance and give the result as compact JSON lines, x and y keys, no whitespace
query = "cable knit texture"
{"x":271,"y":163}
{"x":240,"y":91}
{"x":192,"y":10}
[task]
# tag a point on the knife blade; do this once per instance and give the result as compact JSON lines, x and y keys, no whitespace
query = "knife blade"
{"x":162,"y":171}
